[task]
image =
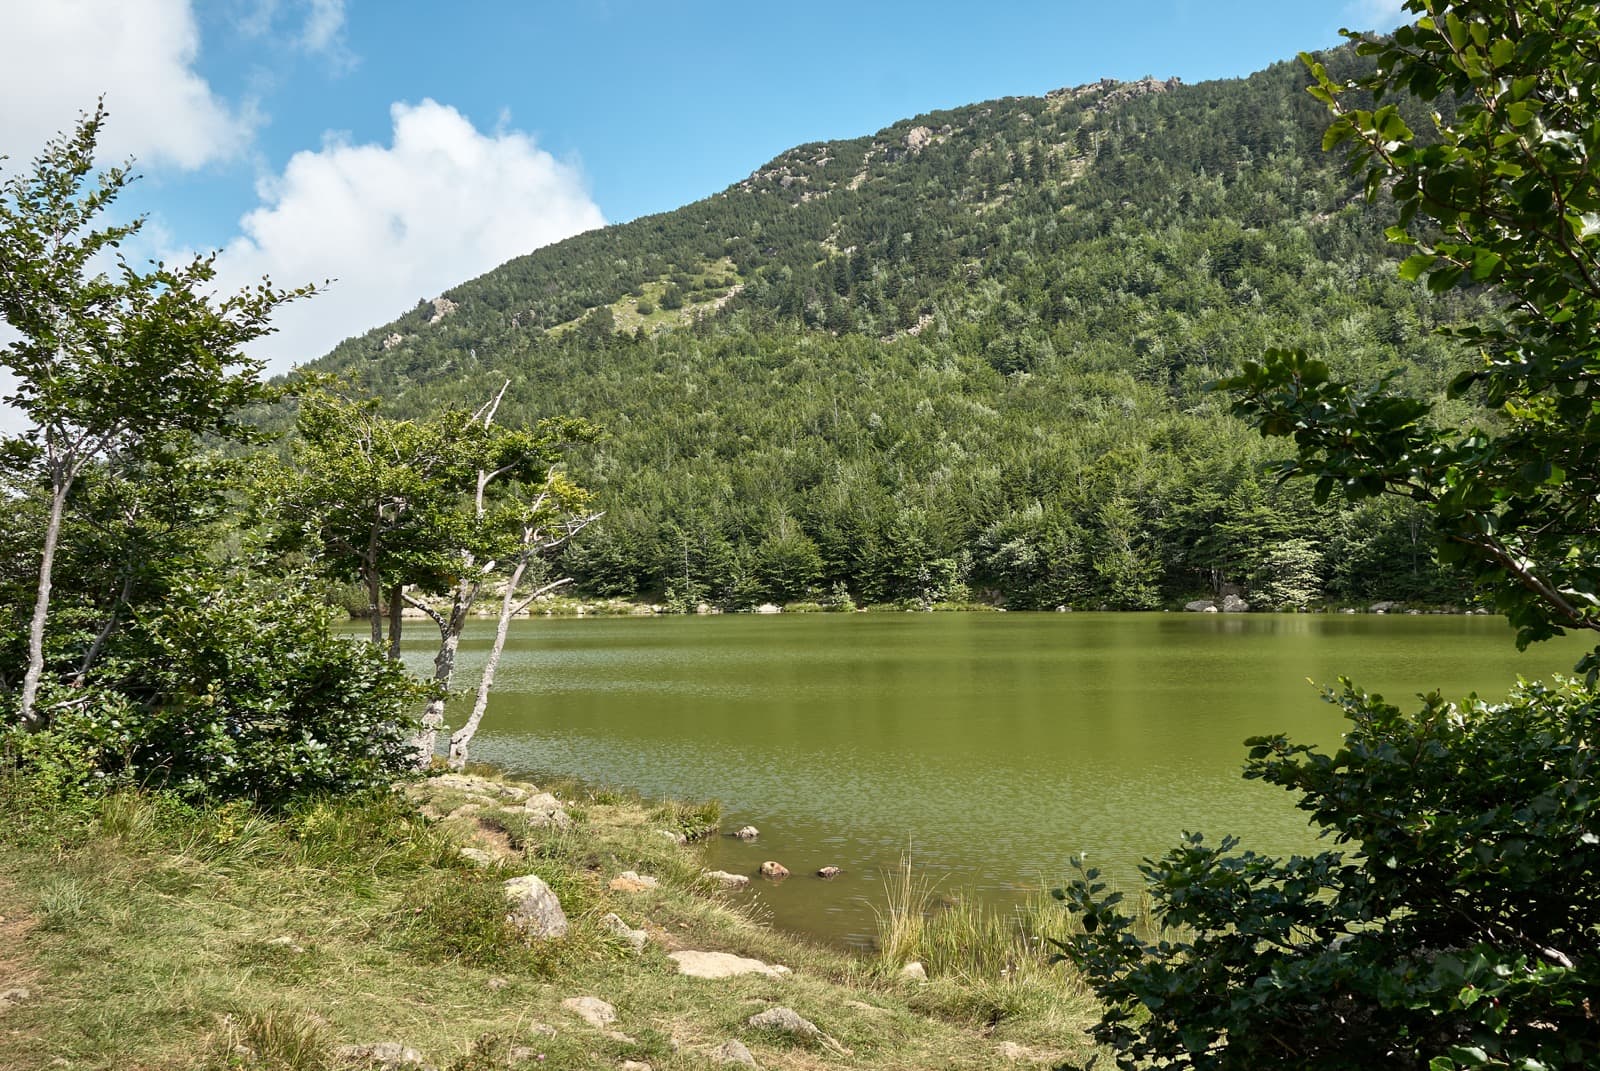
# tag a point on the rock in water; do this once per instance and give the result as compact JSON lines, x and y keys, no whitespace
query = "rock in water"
{"x":747,"y":833}
{"x":535,"y":910}
{"x":829,"y":872}
{"x":774,"y":870}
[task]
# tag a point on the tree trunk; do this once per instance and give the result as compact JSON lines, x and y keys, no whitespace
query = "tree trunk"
{"x":461,"y":739}
{"x":396,"y":604}
{"x":31,"y":720}
{"x":444,"y":669}
{"x":374,"y":612}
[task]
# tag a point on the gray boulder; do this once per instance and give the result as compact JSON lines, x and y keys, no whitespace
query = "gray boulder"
{"x":1200,"y":606}
{"x":1232,"y":604}
{"x":636,"y":938}
{"x":734,"y":1053}
{"x":535,"y":909}
{"x":545,"y":810}
{"x":785,"y":1021}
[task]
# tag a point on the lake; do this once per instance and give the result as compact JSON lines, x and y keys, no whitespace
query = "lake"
{"x":993,"y":747}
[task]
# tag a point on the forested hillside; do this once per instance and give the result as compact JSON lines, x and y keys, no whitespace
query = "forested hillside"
{"x":963,"y":357}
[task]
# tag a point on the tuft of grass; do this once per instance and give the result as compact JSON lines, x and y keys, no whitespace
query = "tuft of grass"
{"x":277,"y":1040}
{"x":64,"y":903}
{"x":694,"y":820}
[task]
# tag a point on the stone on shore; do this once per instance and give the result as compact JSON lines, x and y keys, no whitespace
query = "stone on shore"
{"x":727,"y":880}
{"x":545,"y":810}
{"x":785,"y":1021}
{"x":613,"y":924}
{"x":535,"y":909}
{"x":632,"y":881}
{"x":722,"y":965}
{"x":592,"y":1010}
{"x":914,"y":971}
{"x":734,"y":1053}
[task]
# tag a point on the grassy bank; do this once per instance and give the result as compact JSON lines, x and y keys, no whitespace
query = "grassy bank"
{"x":137,"y":932}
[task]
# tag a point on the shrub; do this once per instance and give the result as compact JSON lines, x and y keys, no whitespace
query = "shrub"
{"x":1459,"y":935}
{"x":244,"y":692}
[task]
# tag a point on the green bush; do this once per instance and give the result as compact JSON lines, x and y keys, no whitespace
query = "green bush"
{"x":1460,"y":933}
{"x":241,"y":692}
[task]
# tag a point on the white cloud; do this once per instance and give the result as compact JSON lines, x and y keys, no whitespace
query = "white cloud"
{"x":394,"y":224}
{"x":58,"y":56}
{"x":1382,"y":15}
{"x":324,"y":26}
{"x":314,"y":26}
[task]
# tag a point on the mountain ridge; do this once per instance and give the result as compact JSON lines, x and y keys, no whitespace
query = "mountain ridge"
{"x":962,"y":356}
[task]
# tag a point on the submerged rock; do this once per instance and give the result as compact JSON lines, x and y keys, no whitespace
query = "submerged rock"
{"x":829,"y":872}
{"x":747,"y":833}
{"x":774,"y":870}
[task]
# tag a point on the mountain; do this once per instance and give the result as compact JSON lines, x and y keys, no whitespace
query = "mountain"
{"x":962,"y":357}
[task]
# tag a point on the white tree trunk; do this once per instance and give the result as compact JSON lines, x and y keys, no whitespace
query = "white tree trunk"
{"x":444,"y":669}
{"x":461,"y":739}
{"x":41,"y":605}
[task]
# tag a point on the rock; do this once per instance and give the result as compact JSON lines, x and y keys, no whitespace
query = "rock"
{"x":592,"y":1010}
{"x":545,"y":810}
{"x":286,"y":943}
{"x":734,"y":1053}
{"x":613,"y":924}
{"x":1232,"y":604}
{"x":497,"y":984}
{"x":918,"y":138}
{"x":747,"y":833}
{"x":15,"y":995}
{"x":721,"y":965}
{"x":1200,"y":606}
{"x":634,"y":1065}
{"x":768,"y":608}
{"x":785,"y":1021}
{"x":476,"y":856}
{"x":829,"y":872}
{"x":442,"y":307}
{"x":774,"y":870}
{"x":727,"y":880}
{"x":629,"y":881}
{"x":1348,"y":610}
{"x":1382,"y":607}
{"x":914,"y":971}
{"x":382,"y":1054}
{"x":676,"y":838}
{"x":535,"y":910}
{"x":522,"y":1054}
{"x":391,"y":341}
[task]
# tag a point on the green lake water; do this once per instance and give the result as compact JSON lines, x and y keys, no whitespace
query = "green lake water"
{"x":994,"y":746}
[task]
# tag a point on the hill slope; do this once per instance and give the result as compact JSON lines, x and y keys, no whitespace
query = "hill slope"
{"x":964,"y":355}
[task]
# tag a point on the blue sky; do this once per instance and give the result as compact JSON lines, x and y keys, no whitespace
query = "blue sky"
{"x":402,"y":146}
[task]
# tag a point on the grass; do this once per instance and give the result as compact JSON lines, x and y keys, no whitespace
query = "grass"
{"x":170,"y":936}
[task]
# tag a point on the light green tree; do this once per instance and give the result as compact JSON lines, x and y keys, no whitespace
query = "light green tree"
{"x":112,"y":361}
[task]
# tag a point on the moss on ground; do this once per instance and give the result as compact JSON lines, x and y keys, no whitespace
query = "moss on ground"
{"x":148,"y":934}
